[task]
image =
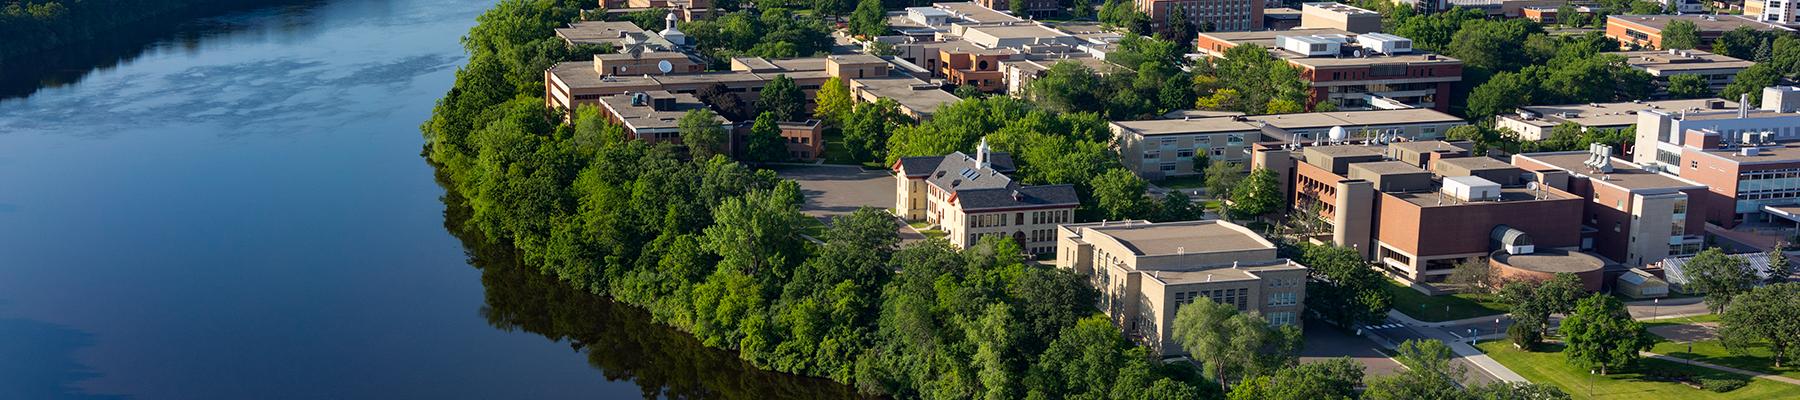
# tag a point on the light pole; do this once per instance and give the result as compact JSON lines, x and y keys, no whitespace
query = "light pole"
{"x":1655,"y":304}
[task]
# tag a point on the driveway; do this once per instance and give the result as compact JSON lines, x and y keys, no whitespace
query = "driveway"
{"x":833,"y":190}
{"x":1323,"y":342}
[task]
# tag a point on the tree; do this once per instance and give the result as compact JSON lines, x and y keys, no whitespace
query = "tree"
{"x":782,"y":98}
{"x":594,"y":131}
{"x":1780,"y":268}
{"x":1720,"y":276}
{"x":764,"y":144}
{"x":729,"y":104}
{"x":1258,"y":194}
{"x":1221,"y":177}
{"x":865,"y":132}
{"x":1560,"y":294}
{"x":1333,"y":379}
{"x":869,"y":19}
{"x":1081,"y":9}
{"x":1492,"y":45}
{"x":968,"y":91}
{"x":1179,"y":28}
{"x":1429,"y":374}
{"x":1517,"y":391}
{"x":1065,"y":87}
{"x":1474,"y":275}
{"x":1751,"y":81}
{"x":1017,"y":7}
{"x":1502,"y":94}
{"x":1119,"y":195}
{"x":1740,"y":43}
{"x":1342,"y":288}
{"x":1230,"y":344}
{"x":1689,"y":87}
{"x":1680,"y":35}
{"x":1767,"y":316}
{"x":1176,"y":206}
{"x":1602,"y":336}
{"x":702,"y":134}
{"x":834,"y":101}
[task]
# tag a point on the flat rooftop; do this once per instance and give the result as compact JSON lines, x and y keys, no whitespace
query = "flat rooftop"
{"x":973,"y":12}
{"x":1036,"y":63}
{"x":1786,"y":152}
{"x":1349,"y":119}
{"x":1339,"y":8}
{"x":1665,"y":62}
{"x":1387,"y":168}
{"x":1345,"y":150}
{"x":1155,"y":127}
{"x":1554,"y":261}
{"x":1428,"y":146}
{"x":1612,"y":114}
{"x":1017,"y":31}
{"x":1624,"y":174}
{"x":1702,"y":22}
{"x":1416,"y":58}
{"x":1434,"y":199}
{"x":912,"y":93}
{"x":1267,"y":38}
{"x":647,"y":117}
{"x":594,"y":32}
{"x":1171,"y":238}
{"x":1478,"y":163}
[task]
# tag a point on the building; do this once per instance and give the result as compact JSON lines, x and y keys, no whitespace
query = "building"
{"x":1146,"y":271}
{"x":1638,"y":216}
{"x":805,"y":139}
{"x":650,"y":63}
{"x":618,"y":34}
{"x":653,"y":116}
{"x":1645,"y":31}
{"x":1019,"y":73}
{"x":568,"y":85}
{"x":1493,"y":8}
{"x":1353,"y":71}
{"x":1160,"y":148}
{"x":1218,"y":15}
{"x":1640,"y":284}
{"x":1674,"y":270}
{"x":971,"y":197}
{"x":1776,"y":11}
{"x":1339,"y":16}
{"x":1746,"y":157}
{"x":1716,"y":70}
{"x":1420,"y":208}
{"x":1032,"y":8}
{"x":1536,"y":122}
{"x":1281,"y":19}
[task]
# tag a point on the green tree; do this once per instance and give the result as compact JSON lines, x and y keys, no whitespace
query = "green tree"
{"x":1492,"y":45}
{"x":1516,"y":391}
{"x":865,"y":132}
{"x":1740,"y":43}
{"x":869,"y":19}
{"x":593,"y":131}
{"x":834,"y":101}
{"x":1681,"y":35}
{"x":1343,"y":289}
{"x":764,"y":144}
{"x":1017,"y":7}
{"x":1230,"y":344}
{"x":1177,"y":206}
{"x":1720,"y":276}
{"x":781,"y":97}
{"x":1689,"y":87}
{"x":702,"y":133}
{"x":1221,"y":177}
{"x":1767,"y":316}
{"x":1429,"y":374}
{"x":1258,"y":194}
{"x":1179,"y":28}
{"x":1119,"y":195}
{"x":968,"y":91}
{"x":1560,"y":294}
{"x":1602,"y":336}
{"x":1065,"y":87}
{"x":1332,"y":379}
{"x":1081,"y":9}
{"x":1751,"y":81}
{"x":1780,"y":268}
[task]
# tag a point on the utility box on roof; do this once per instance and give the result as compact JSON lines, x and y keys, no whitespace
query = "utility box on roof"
{"x":1471,"y":188}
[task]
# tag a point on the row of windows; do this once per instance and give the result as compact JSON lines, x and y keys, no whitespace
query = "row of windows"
{"x":1050,"y":217}
{"x":1239,"y":297}
{"x":1283,"y":318}
{"x":1283,"y":299}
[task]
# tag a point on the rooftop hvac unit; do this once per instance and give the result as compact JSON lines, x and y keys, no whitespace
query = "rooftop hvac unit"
{"x":1750,"y":151}
{"x":1385,"y":43}
{"x":1471,"y":188}
{"x":1599,"y":158}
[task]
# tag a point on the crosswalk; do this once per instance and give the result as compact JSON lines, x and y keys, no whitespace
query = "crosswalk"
{"x":1384,"y":326}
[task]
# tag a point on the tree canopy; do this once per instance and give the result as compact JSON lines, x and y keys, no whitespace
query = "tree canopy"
{"x":1602,"y":336}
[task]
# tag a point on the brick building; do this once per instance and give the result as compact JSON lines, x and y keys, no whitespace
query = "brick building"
{"x":1355,"y":72}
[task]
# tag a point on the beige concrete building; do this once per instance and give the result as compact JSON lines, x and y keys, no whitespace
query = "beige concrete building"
{"x":971,"y":197}
{"x":1160,"y":148}
{"x":1717,"y":70}
{"x":1536,"y":122}
{"x":1339,"y":16}
{"x":1146,"y":271}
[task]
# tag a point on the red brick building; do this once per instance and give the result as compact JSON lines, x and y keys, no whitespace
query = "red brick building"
{"x":1348,"y":69}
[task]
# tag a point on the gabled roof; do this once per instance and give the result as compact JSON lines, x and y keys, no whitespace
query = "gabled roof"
{"x":1026,"y":196}
{"x":916,"y":167}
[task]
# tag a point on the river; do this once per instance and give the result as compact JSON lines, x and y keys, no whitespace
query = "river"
{"x":237,"y":208}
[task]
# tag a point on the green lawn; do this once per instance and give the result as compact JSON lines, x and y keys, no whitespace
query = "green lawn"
{"x":1443,"y":308}
{"x":1712,"y":351}
{"x":1549,"y":367}
{"x":1183,"y":182}
{"x":835,"y":153}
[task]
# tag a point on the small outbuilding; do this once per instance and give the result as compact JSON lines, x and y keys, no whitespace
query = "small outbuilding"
{"x":1640,"y":284}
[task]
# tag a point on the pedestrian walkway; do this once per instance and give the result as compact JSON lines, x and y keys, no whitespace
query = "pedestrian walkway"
{"x":1460,"y":345}
{"x":1772,"y":377}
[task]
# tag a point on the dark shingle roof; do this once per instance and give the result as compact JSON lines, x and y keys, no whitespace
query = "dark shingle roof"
{"x":1028,"y":196}
{"x":925,"y":165}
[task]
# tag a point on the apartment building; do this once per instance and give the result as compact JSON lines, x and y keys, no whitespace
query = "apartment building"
{"x":1747,"y":158}
{"x":1353,"y":71}
{"x":1639,"y":215}
{"x":1716,"y":70}
{"x":1218,"y":15}
{"x":1536,"y":122}
{"x":1146,"y":272}
{"x":971,"y":197}
{"x":1772,"y":11}
{"x":1421,"y":208}
{"x":1645,"y":31}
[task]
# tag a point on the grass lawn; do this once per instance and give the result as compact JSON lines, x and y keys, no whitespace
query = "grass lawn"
{"x":1183,"y":182}
{"x":1712,"y":351}
{"x":1443,"y":308}
{"x":835,"y":153}
{"x":1549,"y":367}
{"x":932,"y":233}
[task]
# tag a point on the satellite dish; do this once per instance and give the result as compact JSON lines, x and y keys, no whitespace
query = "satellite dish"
{"x":664,"y":66}
{"x":1338,"y":134}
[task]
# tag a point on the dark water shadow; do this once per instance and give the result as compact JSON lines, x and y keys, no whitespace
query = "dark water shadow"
{"x":37,"y":361}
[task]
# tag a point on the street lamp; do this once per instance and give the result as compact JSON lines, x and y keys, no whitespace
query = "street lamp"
{"x":1654,"y":305}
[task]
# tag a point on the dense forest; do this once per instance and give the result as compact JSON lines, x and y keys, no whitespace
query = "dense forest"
{"x":31,"y":26}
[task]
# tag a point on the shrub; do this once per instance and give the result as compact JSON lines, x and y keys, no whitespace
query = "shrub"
{"x":1722,"y":385}
{"x":1524,"y":336}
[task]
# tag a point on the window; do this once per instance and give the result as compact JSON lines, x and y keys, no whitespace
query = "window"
{"x":1184,"y":154}
{"x":1166,"y":167}
{"x":1151,"y":155}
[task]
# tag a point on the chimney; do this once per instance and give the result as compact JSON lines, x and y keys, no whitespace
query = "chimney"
{"x":1743,"y":105}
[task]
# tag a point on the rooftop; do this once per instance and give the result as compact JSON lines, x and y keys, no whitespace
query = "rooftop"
{"x":1785,"y":152}
{"x":645,"y":115}
{"x":1611,"y":114}
{"x":1387,"y":168}
{"x":1154,"y":127}
{"x":1345,"y":150}
{"x":973,"y":12}
{"x":1339,"y":8}
{"x":1350,"y":119}
{"x":1624,"y":174}
{"x":1240,"y":273}
{"x":1436,"y":199}
{"x":912,"y":93}
{"x":1428,"y":146}
{"x":1476,"y":163}
{"x":596,"y":32}
{"x":1187,"y":237}
{"x":1267,"y":38}
{"x":1553,"y":261}
{"x":1702,"y":22}
{"x":1665,"y":62}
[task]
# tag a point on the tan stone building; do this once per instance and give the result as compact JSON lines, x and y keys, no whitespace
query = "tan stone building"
{"x":1146,"y":271}
{"x":970,"y":197}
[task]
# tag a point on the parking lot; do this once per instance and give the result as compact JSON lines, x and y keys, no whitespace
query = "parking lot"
{"x":838,"y":190}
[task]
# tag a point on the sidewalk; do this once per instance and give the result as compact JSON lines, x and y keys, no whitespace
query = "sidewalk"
{"x":1461,"y":346}
{"x":1772,"y":377}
